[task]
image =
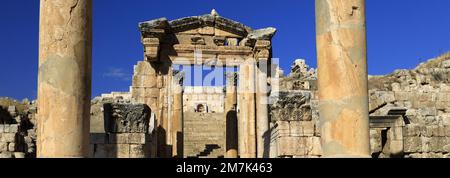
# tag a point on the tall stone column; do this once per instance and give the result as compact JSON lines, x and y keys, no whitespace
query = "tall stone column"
{"x":262,"y":110}
{"x":177,"y":116}
{"x":342,"y":74}
{"x":247,"y":122}
{"x":262,"y":53}
{"x":231,"y":114}
{"x":64,"y":86}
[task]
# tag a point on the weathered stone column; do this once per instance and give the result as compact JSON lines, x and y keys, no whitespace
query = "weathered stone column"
{"x":262,"y":54}
{"x":231,"y":114}
{"x":247,"y":121}
{"x":262,"y":110}
{"x":342,"y":73}
{"x":64,"y":86}
{"x":177,"y":116}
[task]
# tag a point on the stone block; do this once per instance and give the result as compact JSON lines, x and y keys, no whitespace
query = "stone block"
{"x":2,"y":128}
{"x":3,"y":147}
{"x":137,"y":138}
{"x":143,"y":92}
{"x":19,"y":155}
{"x":402,"y":96}
{"x":12,"y":109}
{"x":442,"y":105}
{"x":412,"y":144}
{"x":144,"y":81}
{"x":127,"y":118}
{"x":6,"y":155}
{"x":128,"y":138}
{"x":434,"y":131}
{"x":8,"y":137}
{"x":118,"y":138}
{"x":308,"y":128}
{"x":14,"y":128}
{"x":426,"y":146}
{"x":444,"y":96}
{"x":289,"y":146}
{"x":437,"y":144}
{"x":396,"y":87}
{"x":138,"y":151}
{"x":420,"y":104}
{"x":111,"y":151}
{"x":302,"y":128}
{"x":427,"y":97}
{"x":427,"y":111}
{"x":123,"y":150}
{"x":447,"y":148}
{"x":384,"y":97}
{"x":438,"y":131}
{"x":283,"y":125}
{"x":295,"y":129}
{"x":6,"y":128}
{"x":447,"y":130}
{"x":411,"y":131}
{"x":11,"y":147}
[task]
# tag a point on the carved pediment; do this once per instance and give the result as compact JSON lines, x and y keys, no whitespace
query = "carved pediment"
{"x":210,"y":24}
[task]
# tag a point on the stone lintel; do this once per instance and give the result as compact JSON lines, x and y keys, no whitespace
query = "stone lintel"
{"x":386,"y":121}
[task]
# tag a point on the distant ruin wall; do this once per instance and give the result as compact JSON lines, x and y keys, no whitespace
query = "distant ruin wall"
{"x":213,"y":99}
{"x":17,"y":129}
{"x":422,"y":131}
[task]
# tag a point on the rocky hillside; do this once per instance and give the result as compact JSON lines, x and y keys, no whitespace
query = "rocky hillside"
{"x":425,"y":94}
{"x":432,"y":73}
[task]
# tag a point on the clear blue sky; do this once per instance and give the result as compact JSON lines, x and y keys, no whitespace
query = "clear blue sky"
{"x":401,"y":34}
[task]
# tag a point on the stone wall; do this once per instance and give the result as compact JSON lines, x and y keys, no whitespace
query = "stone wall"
{"x":11,"y":142}
{"x":409,"y":112}
{"x":212,"y":97}
{"x":425,"y":93}
{"x":17,"y":129}
{"x":128,"y":134}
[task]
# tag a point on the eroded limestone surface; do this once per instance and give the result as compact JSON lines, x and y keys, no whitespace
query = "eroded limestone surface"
{"x":409,"y":113}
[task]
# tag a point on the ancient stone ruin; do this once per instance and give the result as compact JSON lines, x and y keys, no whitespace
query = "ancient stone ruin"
{"x":336,"y":110}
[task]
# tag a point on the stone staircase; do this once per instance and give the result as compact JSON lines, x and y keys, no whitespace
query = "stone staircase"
{"x":204,"y":135}
{"x":211,"y":151}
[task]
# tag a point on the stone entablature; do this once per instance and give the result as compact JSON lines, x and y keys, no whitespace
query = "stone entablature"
{"x":215,"y":36}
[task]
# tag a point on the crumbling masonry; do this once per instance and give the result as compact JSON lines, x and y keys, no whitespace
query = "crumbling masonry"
{"x":334,"y":111}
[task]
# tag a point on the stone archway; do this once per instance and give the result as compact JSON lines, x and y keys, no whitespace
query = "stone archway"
{"x":189,"y":41}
